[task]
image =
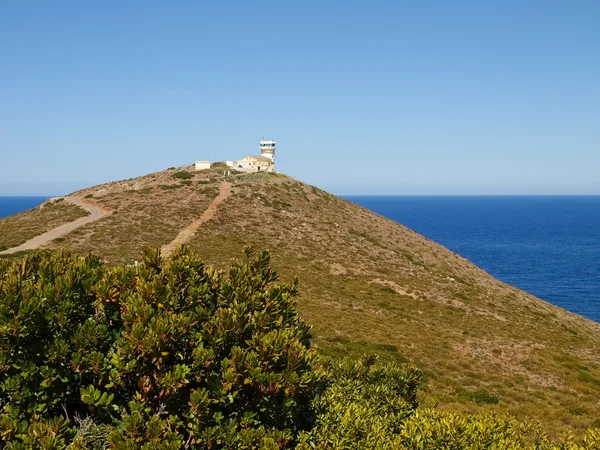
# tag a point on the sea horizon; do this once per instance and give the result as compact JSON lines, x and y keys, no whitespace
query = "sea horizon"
{"x":467,"y":195}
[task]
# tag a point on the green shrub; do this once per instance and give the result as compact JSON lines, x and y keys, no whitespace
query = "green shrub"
{"x":364,"y":406}
{"x":587,"y":377}
{"x":182,"y":175}
{"x":480,"y":397}
{"x":176,"y":355}
{"x":365,"y":236}
{"x":387,"y":290}
{"x":429,"y":429}
{"x":164,"y":354}
{"x":386,"y":347}
{"x":219,"y":165}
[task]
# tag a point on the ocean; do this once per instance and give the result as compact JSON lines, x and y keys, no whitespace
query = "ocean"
{"x":13,"y":205}
{"x":547,"y":246}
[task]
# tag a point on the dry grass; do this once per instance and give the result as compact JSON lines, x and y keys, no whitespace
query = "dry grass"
{"x":371,"y":285}
{"x":145,"y":212}
{"x":17,"y":229}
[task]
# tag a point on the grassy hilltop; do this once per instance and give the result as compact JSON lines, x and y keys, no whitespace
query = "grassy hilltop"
{"x":367,"y":285}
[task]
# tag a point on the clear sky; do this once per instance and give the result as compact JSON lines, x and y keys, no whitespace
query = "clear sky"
{"x":373,"y":97}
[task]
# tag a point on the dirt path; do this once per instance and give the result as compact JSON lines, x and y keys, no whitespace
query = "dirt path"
{"x":189,"y":231}
{"x":96,"y":213}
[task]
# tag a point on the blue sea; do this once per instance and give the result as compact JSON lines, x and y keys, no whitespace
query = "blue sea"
{"x":548,"y":246}
{"x":13,"y":205}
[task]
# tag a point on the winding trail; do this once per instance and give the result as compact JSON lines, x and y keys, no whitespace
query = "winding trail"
{"x":96,"y":213}
{"x":188,"y":232}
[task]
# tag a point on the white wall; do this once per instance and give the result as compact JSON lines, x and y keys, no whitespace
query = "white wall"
{"x":252,"y":166}
{"x":202,"y":165}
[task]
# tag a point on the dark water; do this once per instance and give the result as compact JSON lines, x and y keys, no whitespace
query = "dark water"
{"x":548,"y":246}
{"x":13,"y":205}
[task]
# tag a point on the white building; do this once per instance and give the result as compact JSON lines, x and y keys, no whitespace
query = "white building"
{"x":254,"y":163}
{"x":202,"y":165}
{"x":265,"y":162}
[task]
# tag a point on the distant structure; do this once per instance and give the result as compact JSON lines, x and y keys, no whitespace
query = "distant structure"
{"x":202,"y":165}
{"x":265,"y":162}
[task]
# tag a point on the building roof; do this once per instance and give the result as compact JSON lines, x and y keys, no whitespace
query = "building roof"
{"x":258,"y":158}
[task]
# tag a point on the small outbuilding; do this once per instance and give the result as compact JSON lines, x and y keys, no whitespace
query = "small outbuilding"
{"x":202,"y":165}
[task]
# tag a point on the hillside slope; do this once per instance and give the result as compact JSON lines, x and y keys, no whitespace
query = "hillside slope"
{"x":369,"y":284}
{"x":19,"y":228}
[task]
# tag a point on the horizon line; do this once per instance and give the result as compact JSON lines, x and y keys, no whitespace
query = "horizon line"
{"x":468,"y":195}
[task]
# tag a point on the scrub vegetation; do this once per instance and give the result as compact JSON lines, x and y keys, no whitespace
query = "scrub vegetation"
{"x":176,"y":354}
{"x":145,"y":212}
{"x":372,"y":286}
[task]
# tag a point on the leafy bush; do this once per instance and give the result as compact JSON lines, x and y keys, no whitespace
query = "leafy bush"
{"x":219,"y":165}
{"x":209,"y":181}
{"x":166,"y":354}
{"x":387,"y":290}
{"x":364,"y":406}
{"x":370,"y":406}
{"x":480,"y":397}
{"x":483,"y":397}
{"x":175,"y":355}
{"x":430,"y":429}
{"x":182,"y":175}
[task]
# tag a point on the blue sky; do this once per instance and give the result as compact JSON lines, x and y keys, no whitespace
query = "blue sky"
{"x":370,"y":97}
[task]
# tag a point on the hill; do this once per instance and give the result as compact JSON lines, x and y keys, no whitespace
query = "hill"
{"x":19,"y":228}
{"x":367,"y":284}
